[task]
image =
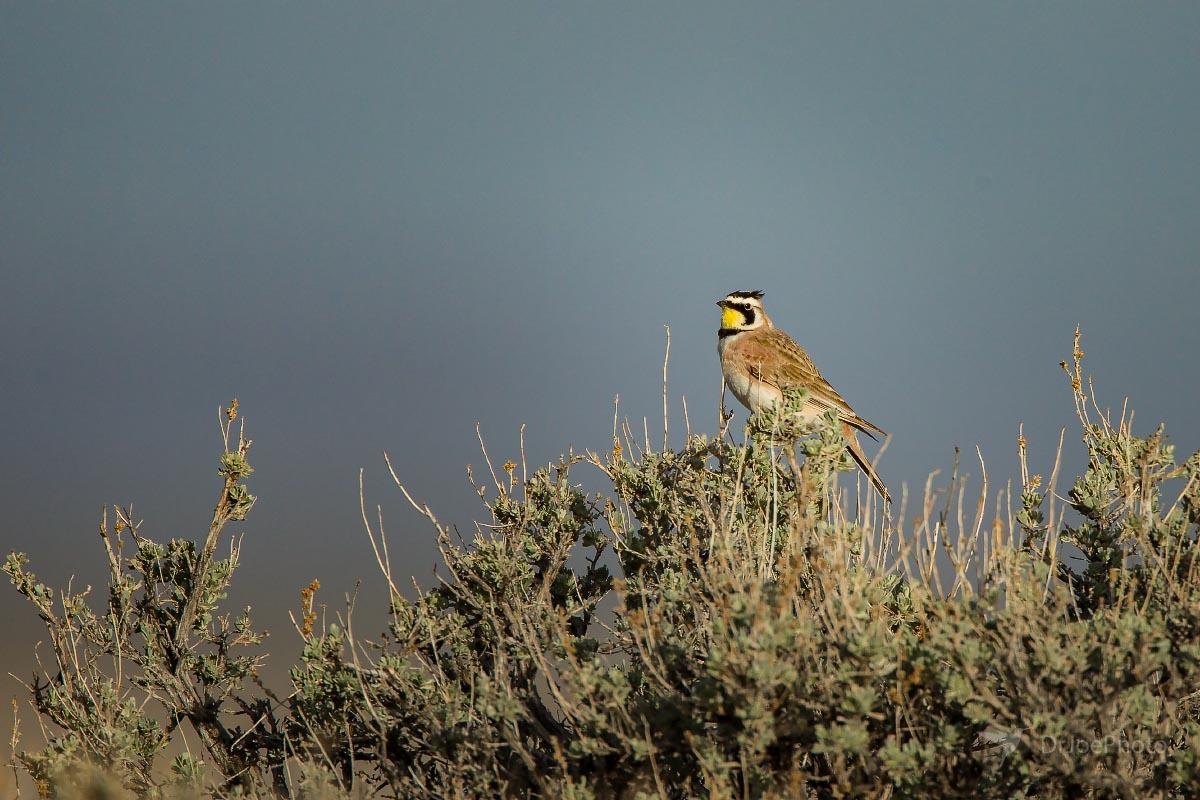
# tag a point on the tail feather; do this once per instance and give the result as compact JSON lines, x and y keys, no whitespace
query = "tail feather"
{"x":869,"y":428}
{"x":860,"y":458}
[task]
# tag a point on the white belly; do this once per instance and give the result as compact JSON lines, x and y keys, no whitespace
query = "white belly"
{"x":757,"y":395}
{"x":754,"y":395}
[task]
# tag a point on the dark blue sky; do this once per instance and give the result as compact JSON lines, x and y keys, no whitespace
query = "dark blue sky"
{"x":377,"y":224}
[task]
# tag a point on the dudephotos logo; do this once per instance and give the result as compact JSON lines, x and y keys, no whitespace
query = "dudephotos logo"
{"x":1075,"y":747}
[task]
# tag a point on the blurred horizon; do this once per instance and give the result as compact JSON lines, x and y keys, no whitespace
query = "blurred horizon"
{"x":378,"y":226}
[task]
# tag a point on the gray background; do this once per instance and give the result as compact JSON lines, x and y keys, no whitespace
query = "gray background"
{"x":377,"y":224}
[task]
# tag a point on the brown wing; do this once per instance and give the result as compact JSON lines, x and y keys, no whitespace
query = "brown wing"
{"x":782,"y":362}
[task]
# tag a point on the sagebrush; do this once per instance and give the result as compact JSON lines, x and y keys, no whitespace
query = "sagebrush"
{"x":720,"y":621}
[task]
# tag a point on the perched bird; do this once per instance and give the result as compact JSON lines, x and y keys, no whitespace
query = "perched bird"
{"x":759,"y":361}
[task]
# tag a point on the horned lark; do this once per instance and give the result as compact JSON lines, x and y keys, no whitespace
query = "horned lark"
{"x":759,"y":361}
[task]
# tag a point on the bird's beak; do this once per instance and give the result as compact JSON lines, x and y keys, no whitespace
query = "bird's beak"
{"x":721,"y":303}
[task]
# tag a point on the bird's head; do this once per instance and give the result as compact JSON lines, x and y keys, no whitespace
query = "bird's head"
{"x":742,"y":311}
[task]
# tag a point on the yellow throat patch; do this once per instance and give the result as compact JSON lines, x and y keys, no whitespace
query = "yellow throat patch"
{"x":732,"y":318}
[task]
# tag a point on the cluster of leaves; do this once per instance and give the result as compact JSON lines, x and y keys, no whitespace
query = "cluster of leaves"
{"x":158,"y":655}
{"x":714,"y":622}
